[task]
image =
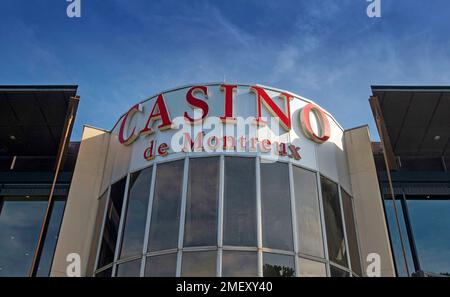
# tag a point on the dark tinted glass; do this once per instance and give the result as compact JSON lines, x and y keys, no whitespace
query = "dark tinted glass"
{"x":104,"y":273}
{"x":97,"y":228}
{"x":336,"y":272}
{"x":201,"y":203}
{"x":112,"y":220}
{"x":276,"y":206}
{"x":136,"y":215}
{"x":129,"y":269}
{"x":239,"y":264}
{"x":333,"y":222}
{"x":239,"y":202}
{"x":199,"y":264}
{"x":395,"y":237}
{"x":51,"y":238}
{"x":308,"y":212}
{"x":161,"y":266}
{"x":430,"y":222}
{"x":278,"y":265}
{"x":166,"y":206}
{"x":350,"y":227}
{"x":20,"y":223}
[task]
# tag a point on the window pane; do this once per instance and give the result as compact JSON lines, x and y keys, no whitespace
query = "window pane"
{"x":199,"y":264}
{"x":276,"y":206}
{"x":166,"y":206}
{"x":20,"y":224}
{"x":309,"y":268}
{"x":350,"y":227}
{"x":51,"y":237}
{"x":136,"y":215}
{"x":308,"y":213}
{"x":129,"y":269}
{"x":336,"y":272}
{"x":239,"y":202}
{"x":104,"y":273}
{"x":96,"y":234}
{"x":161,"y":266}
{"x":278,"y":265}
{"x":201,"y":203}
{"x":239,"y":264}
{"x":111,"y":223}
{"x":395,"y":237}
{"x":333,"y":222}
{"x":430,"y":222}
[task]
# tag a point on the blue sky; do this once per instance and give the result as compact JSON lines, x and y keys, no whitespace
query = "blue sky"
{"x":120,"y":52}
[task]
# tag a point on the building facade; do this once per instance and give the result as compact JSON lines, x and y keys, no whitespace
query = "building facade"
{"x":225,"y":180}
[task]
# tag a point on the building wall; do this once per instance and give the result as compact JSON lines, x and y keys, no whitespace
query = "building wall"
{"x":77,"y":228}
{"x":371,"y":223}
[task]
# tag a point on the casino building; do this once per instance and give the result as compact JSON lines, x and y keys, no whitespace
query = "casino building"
{"x":231,"y":180}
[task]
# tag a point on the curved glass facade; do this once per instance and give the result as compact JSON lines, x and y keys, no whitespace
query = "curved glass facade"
{"x":226,"y":215}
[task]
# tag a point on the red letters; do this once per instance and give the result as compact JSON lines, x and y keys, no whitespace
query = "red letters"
{"x":123,"y":125}
{"x":228,"y":105}
{"x":159,"y":112}
{"x":197,"y":103}
{"x":322,"y":119}
{"x":274,"y":110}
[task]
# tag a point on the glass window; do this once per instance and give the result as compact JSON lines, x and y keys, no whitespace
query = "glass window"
{"x":104,"y":273}
{"x":199,"y":264}
{"x":239,"y":202}
{"x":395,"y":237}
{"x":333,"y":222}
{"x":20,"y":224}
{"x":308,"y":212}
{"x":201,"y":203}
{"x":96,"y":234}
{"x":136,"y":214}
{"x":336,"y":272}
{"x":350,"y":227}
{"x":309,"y":268}
{"x":430,"y":222}
{"x":166,"y":206}
{"x":161,"y":266}
{"x":51,"y":237}
{"x":239,"y":264}
{"x":129,"y":269}
{"x":112,"y":220}
{"x":276,"y":265}
{"x":276,"y":206}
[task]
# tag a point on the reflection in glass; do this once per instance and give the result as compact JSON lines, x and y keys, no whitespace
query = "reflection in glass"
{"x":309,"y":268}
{"x":51,"y":237}
{"x":161,"y":266}
{"x":308,"y":213}
{"x":395,"y":237}
{"x":112,"y":220}
{"x":136,"y":214}
{"x":350,"y":227}
{"x":129,"y":269}
{"x":336,"y":272}
{"x":239,"y":264}
{"x":430,"y":222}
{"x":276,"y":265}
{"x":20,"y":223}
{"x":276,"y":206}
{"x":199,"y":264}
{"x":166,"y":206}
{"x":201,"y":203}
{"x":239,"y":202}
{"x":333,"y":222}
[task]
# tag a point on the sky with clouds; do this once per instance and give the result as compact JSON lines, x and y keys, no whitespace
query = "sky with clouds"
{"x":120,"y":52}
